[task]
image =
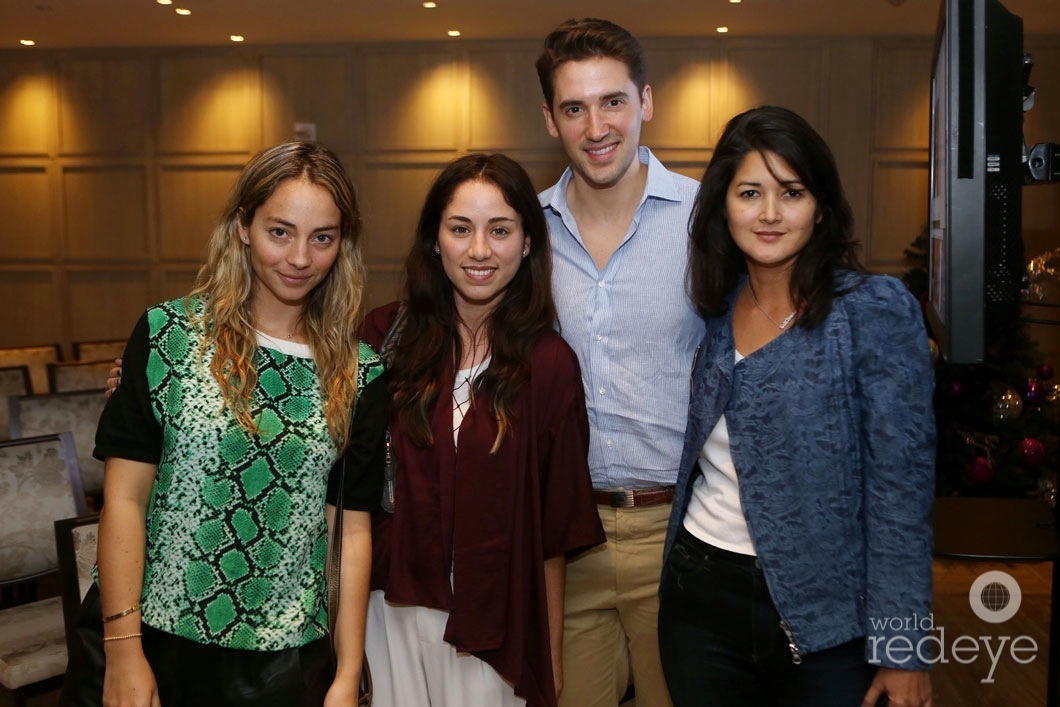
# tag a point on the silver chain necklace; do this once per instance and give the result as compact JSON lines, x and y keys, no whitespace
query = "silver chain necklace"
{"x":779,"y":325}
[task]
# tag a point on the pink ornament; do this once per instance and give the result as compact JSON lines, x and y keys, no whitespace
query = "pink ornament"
{"x":980,"y":470}
{"x":1032,"y":451}
{"x":1032,"y":392}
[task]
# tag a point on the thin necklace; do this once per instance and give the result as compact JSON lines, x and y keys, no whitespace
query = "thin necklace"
{"x":779,"y":325}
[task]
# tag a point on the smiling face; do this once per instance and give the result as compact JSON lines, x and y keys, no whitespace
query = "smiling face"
{"x":293,"y":241}
{"x":771,"y":214}
{"x":481,"y":244}
{"x":597,"y":114}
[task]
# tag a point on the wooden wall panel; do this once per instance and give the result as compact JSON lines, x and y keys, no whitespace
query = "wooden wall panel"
{"x":544,"y":172}
{"x":287,"y":98}
{"x":37,"y":318}
{"x":392,"y":197}
{"x":26,"y":202}
{"x":174,"y":283}
{"x":788,"y":74}
{"x":209,"y":104}
{"x":903,"y":95}
{"x":384,"y":285}
{"x":105,"y":304}
{"x":417,"y":100}
{"x":115,"y":165}
{"x":106,"y":213}
{"x":106,"y":106}
{"x":899,"y":212}
{"x":505,"y":101}
{"x":684,"y":86}
{"x":27,"y":108}
{"x":190,"y":201}
{"x":850,"y":108}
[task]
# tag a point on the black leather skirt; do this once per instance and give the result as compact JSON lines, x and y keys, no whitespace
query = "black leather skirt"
{"x":191,"y":674}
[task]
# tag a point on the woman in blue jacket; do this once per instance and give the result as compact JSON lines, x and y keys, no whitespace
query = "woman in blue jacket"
{"x":798,"y":558}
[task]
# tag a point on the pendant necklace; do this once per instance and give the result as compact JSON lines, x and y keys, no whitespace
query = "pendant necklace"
{"x":779,"y":325}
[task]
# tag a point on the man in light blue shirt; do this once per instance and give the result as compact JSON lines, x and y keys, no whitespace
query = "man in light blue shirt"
{"x":619,"y":231}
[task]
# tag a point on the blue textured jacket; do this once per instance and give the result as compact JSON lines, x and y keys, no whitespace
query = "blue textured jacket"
{"x":832,"y":434}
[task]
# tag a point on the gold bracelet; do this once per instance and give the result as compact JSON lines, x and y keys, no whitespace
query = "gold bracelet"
{"x":121,"y":638}
{"x":114,"y":617}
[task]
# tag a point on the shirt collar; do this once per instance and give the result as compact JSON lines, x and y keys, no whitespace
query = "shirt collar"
{"x":659,"y":185}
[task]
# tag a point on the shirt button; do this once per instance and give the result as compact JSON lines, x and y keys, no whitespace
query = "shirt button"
{"x":599,"y":337}
{"x":600,"y":283}
{"x":610,"y":443}
{"x":603,"y":392}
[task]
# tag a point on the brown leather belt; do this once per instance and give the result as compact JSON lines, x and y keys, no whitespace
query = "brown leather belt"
{"x":633,"y":498}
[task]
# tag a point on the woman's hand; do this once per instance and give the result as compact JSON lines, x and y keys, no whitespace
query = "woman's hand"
{"x":113,"y":378}
{"x":128,"y":680}
{"x":904,"y":688}
{"x":342,"y":693}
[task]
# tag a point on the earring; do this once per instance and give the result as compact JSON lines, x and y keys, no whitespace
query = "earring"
{"x":437,"y":249}
{"x":526,"y":251}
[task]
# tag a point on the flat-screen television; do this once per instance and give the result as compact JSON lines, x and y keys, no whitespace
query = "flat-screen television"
{"x":975,"y":253}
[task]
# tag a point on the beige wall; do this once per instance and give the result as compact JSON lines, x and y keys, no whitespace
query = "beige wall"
{"x":114,"y":164}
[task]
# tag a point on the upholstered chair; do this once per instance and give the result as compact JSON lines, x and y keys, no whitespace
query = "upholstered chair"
{"x":39,"y":484}
{"x":76,"y":411}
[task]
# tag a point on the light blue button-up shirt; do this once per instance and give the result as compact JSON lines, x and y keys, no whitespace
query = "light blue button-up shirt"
{"x":633,"y":328}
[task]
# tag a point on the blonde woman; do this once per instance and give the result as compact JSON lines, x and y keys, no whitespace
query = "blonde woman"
{"x":223,"y":445}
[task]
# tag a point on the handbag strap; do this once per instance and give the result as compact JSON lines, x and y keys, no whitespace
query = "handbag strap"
{"x":393,"y":336}
{"x":334,"y":574}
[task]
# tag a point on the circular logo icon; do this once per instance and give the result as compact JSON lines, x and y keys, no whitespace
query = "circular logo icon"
{"x":995,"y":596}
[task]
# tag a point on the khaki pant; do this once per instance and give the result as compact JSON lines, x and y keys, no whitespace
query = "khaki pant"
{"x":611,"y":613}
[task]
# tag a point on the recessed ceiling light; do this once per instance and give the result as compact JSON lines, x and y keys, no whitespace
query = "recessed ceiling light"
{"x":236,"y":37}
{"x":430,"y":5}
{"x":735,"y":2}
{"x":164,"y":2}
{"x":183,"y":11}
{"x":722,"y":30}
{"x":454,"y":33}
{"x":27,"y":42}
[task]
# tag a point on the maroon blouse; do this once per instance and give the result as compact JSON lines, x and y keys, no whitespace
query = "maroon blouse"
{"x":494,"y":518}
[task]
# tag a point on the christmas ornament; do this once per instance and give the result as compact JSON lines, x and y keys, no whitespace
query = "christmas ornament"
{"x":1043,"y":277}
{"x":1008,"y":405}
{"x":1045,"y":371}
{"x":980,"y":470}
{"x":1032,"y":451}
{"x":934,"y":349}
{"x":1033,"y":392}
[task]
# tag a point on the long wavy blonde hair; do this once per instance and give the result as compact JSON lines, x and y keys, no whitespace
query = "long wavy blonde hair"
{"x":332,"y":311}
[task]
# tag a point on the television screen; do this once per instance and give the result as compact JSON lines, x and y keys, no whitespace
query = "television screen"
{"x":975,"y":252}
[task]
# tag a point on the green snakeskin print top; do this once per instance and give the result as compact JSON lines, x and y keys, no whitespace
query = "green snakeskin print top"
{"x":236,"y":532}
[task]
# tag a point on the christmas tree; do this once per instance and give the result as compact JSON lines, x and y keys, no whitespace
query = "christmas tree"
{"x":997,"y":420}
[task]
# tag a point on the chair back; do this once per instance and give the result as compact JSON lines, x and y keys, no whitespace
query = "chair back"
{"x":65,"y":376}
{"x":14,"y":380}
{"x":75,"y":545}
{"x":76,"y":411}
{"x":36,"y":358}
{"x":39,"y":484}
{"x":96,"y":350}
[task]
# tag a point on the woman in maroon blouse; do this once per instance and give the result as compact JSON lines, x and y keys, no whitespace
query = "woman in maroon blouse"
{"x":488,"y":426}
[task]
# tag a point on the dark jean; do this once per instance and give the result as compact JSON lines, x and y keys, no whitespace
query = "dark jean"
{"x":722,"y":644}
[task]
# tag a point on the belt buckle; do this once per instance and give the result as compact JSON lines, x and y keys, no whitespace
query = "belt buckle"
{"x":622,"y":498}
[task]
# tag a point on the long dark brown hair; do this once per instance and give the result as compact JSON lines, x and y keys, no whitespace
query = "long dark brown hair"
{"x":430,"y":335}
{"x":716,"y":264}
